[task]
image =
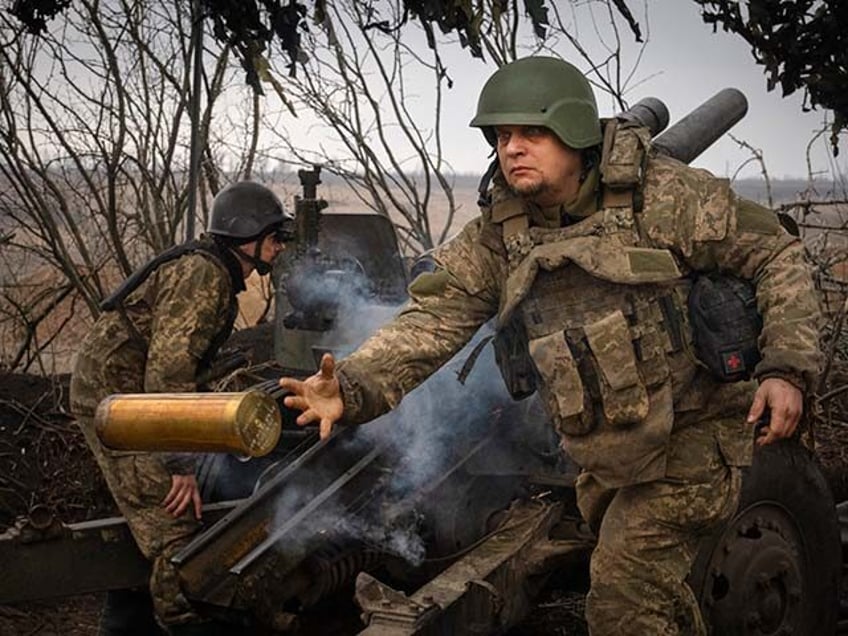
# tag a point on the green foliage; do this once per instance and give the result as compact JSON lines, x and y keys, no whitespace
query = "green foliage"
{"x":254,"y":29}
{"x":34,"y":14}
{"x":803,"y":44}
{"x":250,"y":27}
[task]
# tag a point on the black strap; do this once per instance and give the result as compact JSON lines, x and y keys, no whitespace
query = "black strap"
{"x":484,"y":199}
{"x":471,"y":360}
{"x":140,"y":275}
{"x":114,"y":302}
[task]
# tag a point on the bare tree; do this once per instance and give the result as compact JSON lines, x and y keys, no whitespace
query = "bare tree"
{"x":94,"y":137}
{"x":95,"y":128}
{"x":385,"y":140}
{"x":355,"y":82}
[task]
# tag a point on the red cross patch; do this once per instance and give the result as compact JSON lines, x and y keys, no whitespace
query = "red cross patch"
{"x":733,"y":362}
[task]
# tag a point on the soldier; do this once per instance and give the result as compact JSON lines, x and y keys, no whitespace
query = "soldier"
{"x":158,"y":333}
{"x":585,"y":253}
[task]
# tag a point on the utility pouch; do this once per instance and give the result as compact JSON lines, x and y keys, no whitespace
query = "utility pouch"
{"x":513,"y":359}
{"x":560,"y":386}
{"x":624,"y":396}
{"x":725,"y":326}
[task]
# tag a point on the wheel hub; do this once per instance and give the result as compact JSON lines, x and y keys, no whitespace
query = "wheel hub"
{"x":756,"y":574}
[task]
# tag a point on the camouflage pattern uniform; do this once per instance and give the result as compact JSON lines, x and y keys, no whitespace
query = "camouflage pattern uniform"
{"x":659,"y":440}
{"x":168,"y":331}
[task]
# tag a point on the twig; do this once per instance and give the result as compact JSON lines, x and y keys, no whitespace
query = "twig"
{"x":831,"y":353}
{"x":27,"y":413}
{"x":833,"y":393}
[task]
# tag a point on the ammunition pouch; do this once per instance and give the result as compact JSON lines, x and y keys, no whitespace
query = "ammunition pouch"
{"x":513,"y":359}
{"x":725,"y":326}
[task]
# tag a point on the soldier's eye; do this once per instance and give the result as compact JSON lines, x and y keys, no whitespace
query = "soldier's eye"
{"x":534,"y":131}
{"x":503,"y":136}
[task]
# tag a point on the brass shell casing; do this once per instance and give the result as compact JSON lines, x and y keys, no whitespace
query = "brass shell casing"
{"x":246,"y":423}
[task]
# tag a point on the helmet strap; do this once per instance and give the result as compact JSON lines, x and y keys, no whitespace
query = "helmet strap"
{"x":262,"y":267}
{"x":590,"y":157}
{"x":483,"y":198}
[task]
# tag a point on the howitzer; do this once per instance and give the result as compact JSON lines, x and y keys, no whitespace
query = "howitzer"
{"x":461,"y":539}
{"x":340,"y":262}
{"x":307,"y":210}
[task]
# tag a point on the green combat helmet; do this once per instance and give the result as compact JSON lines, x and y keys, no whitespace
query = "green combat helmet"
{"x":540,"y":91}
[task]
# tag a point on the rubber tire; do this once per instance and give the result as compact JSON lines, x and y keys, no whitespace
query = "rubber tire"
{"x":786,"y":514}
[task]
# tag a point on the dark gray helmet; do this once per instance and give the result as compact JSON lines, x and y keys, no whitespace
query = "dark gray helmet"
{"x":540,"y":91}
{"x":246,"y":210}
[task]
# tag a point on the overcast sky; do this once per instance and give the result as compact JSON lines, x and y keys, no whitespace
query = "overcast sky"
{"x":684,"y":64}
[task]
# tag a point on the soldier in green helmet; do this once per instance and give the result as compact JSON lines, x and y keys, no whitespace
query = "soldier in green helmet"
{"x":158,"y":333}
{"x":584,"y":253}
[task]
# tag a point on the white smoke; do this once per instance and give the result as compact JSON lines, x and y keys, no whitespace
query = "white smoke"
{"x":423,"y":434}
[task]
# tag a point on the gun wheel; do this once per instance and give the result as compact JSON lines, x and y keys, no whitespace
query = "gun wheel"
{"x":774,"y":567}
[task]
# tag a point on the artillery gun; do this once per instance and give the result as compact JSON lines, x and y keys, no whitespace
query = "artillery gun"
{"x":449,"y":514}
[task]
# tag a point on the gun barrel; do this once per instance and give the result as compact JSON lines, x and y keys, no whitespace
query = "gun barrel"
{"x":698,"y":130}
{"x":246,"y":423}
{"x":649,"y":112}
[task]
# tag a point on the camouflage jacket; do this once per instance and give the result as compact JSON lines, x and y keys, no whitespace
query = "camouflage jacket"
{"x":690,"y":222}
{"x":166,"y":333}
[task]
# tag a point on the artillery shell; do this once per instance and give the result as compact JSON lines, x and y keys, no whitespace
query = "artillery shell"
{"x":246,"y":423}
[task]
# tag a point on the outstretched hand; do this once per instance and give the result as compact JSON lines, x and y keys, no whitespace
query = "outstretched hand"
{"x":319,"y":397}
{"x":785,"y":404}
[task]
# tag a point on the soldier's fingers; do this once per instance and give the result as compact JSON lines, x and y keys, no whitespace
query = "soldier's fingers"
{"x":757,"y":407}
{"x":180,"y":505}
{"x":779,"y":427}
{"x":779,"y":419}
{"x":328,"y":366}
{"x":290,"y":384}
{"x":786,"y":425}
{"x":326,"y":427}
{"x":793,"y":415}
{"x":198,"y":504}
{"x":172,"y":506}
{"x":296,"y":402}
{"x":785,"y":415}
{"x":307,"y":417}
{"x":174,"y":497}
{"x":766,"y":436}
{"x":172,"y":493}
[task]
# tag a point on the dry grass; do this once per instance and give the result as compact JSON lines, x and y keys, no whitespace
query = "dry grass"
{"x":64,"y":328}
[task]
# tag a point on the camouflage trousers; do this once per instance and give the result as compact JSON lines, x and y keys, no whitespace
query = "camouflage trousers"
{"x":139,"y":482}
{"x":648,"y":537}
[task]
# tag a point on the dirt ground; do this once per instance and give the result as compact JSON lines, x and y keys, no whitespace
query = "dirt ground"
{"x":75,"y":616}
{"x":44,"y":461}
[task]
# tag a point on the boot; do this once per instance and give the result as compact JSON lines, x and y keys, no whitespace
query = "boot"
{"x":128,"y":613}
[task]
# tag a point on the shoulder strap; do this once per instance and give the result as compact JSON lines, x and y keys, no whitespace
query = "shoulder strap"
{"x":140,"y":275}
{"x":623,"y":161}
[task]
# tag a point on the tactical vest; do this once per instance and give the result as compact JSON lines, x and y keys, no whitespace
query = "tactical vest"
{"x":597,"y":309}
{"x":115,"y":301}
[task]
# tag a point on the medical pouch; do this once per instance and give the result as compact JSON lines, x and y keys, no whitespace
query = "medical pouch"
{"x":725,"y":326}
